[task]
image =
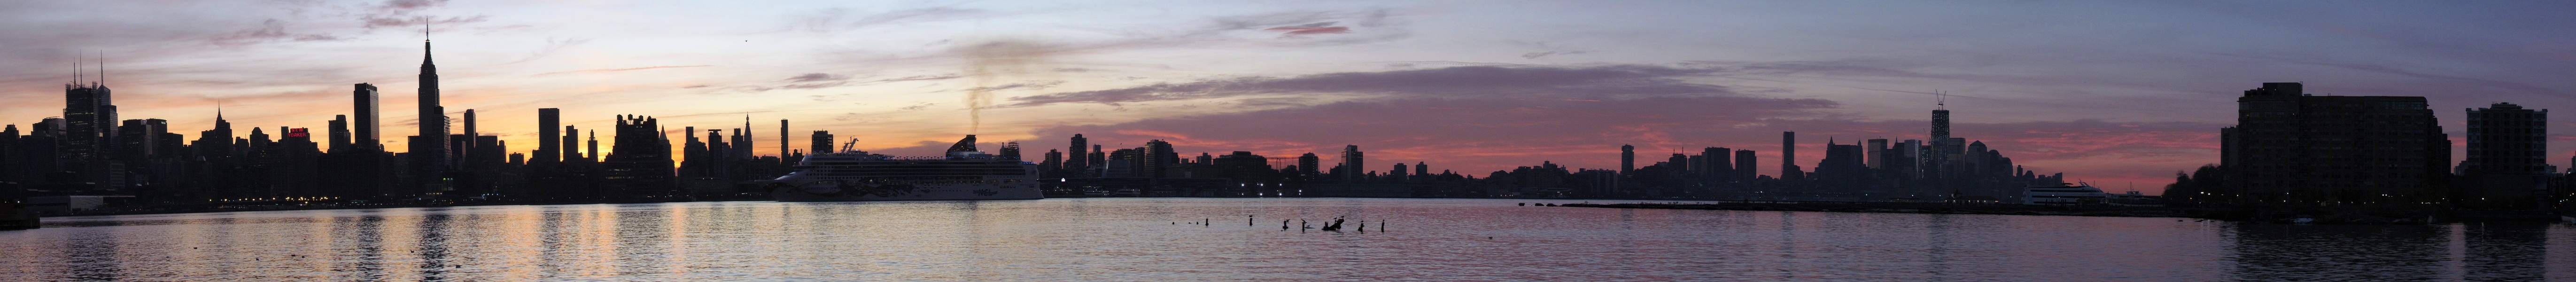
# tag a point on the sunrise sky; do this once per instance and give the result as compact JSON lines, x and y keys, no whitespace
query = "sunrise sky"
{"x":2112,"y":93}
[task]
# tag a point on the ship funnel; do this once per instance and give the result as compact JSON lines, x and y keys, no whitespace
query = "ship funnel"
{"x":964,"y":145}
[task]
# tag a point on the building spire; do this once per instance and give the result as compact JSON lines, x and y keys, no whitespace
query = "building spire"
{"x":424,"y":44}
{"x":1941,"y":100}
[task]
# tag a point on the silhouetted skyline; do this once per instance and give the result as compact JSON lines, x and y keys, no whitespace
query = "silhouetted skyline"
{"x":2070,"y":90}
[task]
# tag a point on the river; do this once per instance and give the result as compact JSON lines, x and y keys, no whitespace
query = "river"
{"x":1155,"y":239}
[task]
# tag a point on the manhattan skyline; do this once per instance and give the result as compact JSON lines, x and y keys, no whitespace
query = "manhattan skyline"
{"x":1464,"y":86}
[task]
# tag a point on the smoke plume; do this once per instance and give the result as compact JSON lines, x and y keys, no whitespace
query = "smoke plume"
{"x":988,"y":63}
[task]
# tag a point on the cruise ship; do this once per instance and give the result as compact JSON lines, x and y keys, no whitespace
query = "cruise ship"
{"x":963,"y":174}
{"x":2065,"y":194}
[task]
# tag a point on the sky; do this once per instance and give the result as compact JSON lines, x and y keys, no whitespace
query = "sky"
{"x":2120,"y":94}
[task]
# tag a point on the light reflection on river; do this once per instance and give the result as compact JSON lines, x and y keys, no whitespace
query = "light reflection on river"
{"x":1147,"y":239}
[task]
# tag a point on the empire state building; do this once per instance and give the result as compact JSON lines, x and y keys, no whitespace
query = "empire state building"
{"x":429,"y":149}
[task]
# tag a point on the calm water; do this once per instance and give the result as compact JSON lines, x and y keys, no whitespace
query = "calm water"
{"x":1136,"y":239}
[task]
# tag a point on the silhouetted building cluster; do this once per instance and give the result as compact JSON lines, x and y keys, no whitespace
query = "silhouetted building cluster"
{"x":2294,"y":149}
{"x":89,"y":152}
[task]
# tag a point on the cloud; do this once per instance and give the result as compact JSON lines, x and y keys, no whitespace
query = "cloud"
{"x":551,"y":46}
{"x":399,"y":14}
{"x":401,"y":6}
{"x":914,"y":78}
{"x":626,"y":69}
{"x":378,"y":21}
{"x":1030,"y":85}
{"x":841,"y":19}
{"x":814,"y":77}
{"x":1459,"y":81}
{"x":270,"y":30}
{"x":1547,"y":49}
{"x":2450,"y":79}
{"x":1309,"y":29}
{"x":1535,"y":55}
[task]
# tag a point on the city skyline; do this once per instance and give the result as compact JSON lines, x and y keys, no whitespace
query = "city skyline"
{"x":1572,"y":99}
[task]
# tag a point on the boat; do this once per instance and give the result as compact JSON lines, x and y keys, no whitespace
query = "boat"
{"x":2065,"y":194}
{"x":962,"y":174}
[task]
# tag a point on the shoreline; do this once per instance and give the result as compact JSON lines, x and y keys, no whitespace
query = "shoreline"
{"x":1912,"y":208}
{"x":2374,"y":217}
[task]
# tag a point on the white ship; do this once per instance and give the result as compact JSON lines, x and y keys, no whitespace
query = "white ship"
{"x":964,"y":174}
{"x":2065,"y":194}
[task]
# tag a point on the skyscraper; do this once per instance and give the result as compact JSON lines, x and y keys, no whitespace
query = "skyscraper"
{"x":429,"y":152}
{"x":1627,"y":159}
{"x":593,"y":154}
{"x":1354,"y":162}
{"x":2290,"y":148}
{"x":1789,"y":155}
{"x":1079,"y":156}
{"x":461,"y":151}
{"x":1054,"y":161}
{"x":1744,"y":167}
{"x":641,"y":166}
{"x":822,"y":142}
{"x":549,"y":136}
{"x":1877,"y":153}
{"x":340,"y":134}
{"x":89,"y":113}
{"x":1160,"y":159}
{"x":370,"y":136}
{"x":1715,"y":165}
{"x":1943,"y":147}
{"x":782,"y":142}
{"x":1307,"y":164}
{"x":571,"y":144}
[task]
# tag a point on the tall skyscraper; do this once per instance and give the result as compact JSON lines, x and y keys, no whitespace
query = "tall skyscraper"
{"x":571,"y":144}
{"x":1354,"y":162}
{"x":1160,"y":159}
{"x":1627,"y":159}
{"x":89,"y":113}
{"x":367,"y":126}
{"x":549,"y":136}
{"x":2290,"y":148}
{"x":429,"y":152}
{"x":1079,"y":153}
{"x":1714,"y":164}
{"x":822,"y":143}
{"x":340,"y":134}
{"x":1789,"y":155}
{"x":1912,"y":152}
{"x":593,"y":154}
{"x":1876,"y":153}
{"x":1096,"y":159}
{"x":1307,"y":165}
{"x":1944,"y":148}
{"x":463,"y":150}
{"x":782,"y":142}
{"x":1744,"y":167}
{"x":641,"y":166}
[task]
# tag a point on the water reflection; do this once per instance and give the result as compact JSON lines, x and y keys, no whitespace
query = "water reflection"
{"x":1135,"y":239}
